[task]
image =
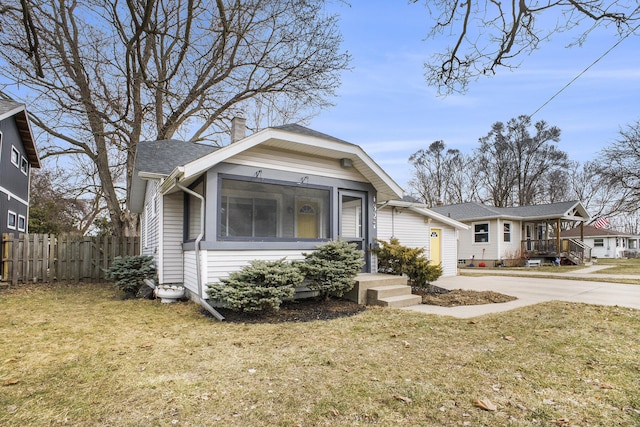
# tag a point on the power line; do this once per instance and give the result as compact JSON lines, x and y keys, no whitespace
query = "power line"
{"x":585,"y":70}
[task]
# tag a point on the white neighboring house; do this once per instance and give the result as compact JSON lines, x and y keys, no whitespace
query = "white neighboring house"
{"x":416,"y":226}
{"x":498,"y":234}
{"x":607,"y":243}
{"x":208,"y":211}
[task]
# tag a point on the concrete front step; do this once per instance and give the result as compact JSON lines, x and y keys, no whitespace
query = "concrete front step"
{"x":399,"y":301}
{"x":392,"y":296}
{"x":365,"y":281}
{"x":380,"y":292}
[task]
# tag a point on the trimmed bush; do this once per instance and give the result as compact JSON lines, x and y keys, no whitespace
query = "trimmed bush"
{"x":332,"y":268}
{"x":262,"y":285}
{"x":129,"y":272}
{"x":394,"y":258}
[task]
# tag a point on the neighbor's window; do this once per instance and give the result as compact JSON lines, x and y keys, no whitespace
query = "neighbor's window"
{"x":633,"y":244}
{"x":257,"y":210}
{"x":15,"y":156}
{"x":12,"y":220}
{"x":598,"y":243}
{"x":506,"y":231}
{"x":24,"y":166}
{"x":22,"y":223}
{"x":481,"y":233}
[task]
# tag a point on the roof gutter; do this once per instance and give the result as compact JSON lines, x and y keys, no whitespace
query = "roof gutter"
{"x":201,"y":300}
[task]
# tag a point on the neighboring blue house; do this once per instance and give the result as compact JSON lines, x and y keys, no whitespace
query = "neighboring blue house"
{"x":18,"y":155}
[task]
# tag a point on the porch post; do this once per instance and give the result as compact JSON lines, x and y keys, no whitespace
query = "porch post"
{"x":558,"y":237}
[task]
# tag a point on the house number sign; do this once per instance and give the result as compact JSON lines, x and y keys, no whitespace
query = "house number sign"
{"x":374,"y":217}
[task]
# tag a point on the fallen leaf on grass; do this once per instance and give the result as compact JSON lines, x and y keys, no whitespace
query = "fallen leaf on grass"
{"x":509,"y":338}
{"x":406,"y":344}
{"x":404,"y":399}
{"x":10,"y":382}
{"x":146,"y":345}
{"x":606,"y":386}
{"x":12,"y":360}
{"x":484,"y":404}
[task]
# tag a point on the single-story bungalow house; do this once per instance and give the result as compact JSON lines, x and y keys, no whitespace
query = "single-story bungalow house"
{"x":606,"y":243}
{"x":521,"y":232}
{"x":208,"y":211}
{"x":417,"y":226}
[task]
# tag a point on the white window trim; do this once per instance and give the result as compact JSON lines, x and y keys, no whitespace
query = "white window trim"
{"x":510,"y":224}
{"x":15,"y":220}
{"x":24,"y":162}
{"x":15,"y":153}
{"x":473,"y":233}
{"x":24,"y":222}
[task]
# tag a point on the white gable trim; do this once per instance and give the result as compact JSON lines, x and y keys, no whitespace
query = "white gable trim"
{"x":292,"y":141}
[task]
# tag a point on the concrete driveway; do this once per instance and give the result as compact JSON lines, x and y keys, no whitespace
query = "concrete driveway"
{"x":532,"y":290}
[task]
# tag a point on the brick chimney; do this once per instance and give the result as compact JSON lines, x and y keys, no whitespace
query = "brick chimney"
{"x":238,"y":128}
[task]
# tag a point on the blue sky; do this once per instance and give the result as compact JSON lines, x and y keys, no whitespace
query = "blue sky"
{"x":385,"y":106}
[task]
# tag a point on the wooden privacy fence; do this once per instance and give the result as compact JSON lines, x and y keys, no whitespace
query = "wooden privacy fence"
{"x":48,"y":258}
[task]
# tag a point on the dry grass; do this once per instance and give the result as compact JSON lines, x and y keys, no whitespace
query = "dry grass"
{"x":620,"y":266}
{"x":73,"y":355}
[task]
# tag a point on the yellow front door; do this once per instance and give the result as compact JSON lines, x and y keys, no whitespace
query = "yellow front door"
{"x":306,"y":219}
{"x":434,"y":246}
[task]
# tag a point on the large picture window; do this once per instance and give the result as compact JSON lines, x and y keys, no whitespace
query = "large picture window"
{"x":259,"y":210}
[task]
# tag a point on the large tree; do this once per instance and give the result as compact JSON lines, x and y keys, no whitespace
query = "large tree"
{"x":111,"y":74}
{"x":516,"y":167}
{"x":618,"y":168}
{"x":487,"y":35}
{"x":440,"y":175}
{"x":54,"y":207}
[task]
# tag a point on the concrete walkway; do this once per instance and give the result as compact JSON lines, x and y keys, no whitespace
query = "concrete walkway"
{"x":533,"y":290}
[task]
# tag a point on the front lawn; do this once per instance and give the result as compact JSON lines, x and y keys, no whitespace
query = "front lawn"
{"x":620,"y":266}
{"x":74,"y":355}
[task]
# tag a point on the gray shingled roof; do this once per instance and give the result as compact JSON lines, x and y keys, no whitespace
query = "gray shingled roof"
{"x":474,"y":211}
{"x":161,"y":157}
{"x":6,"y":106}
{"x":591,"y":231}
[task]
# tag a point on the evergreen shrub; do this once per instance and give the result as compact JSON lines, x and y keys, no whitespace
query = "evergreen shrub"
{"x":394,"y":258}
{"x":129,"y":272}
{"x":332,"y":268}
{"x":261,"y":285}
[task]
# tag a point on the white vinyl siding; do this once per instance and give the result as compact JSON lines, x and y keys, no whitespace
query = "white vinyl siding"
{"x":449,"y":249}
{"x":172,"y":209}
{"x":270,"y":158}
{"x":219,"y":264}
{"x":150,"y":224}
{"x":407,"y":226}
{"x":411,"y":230}
{"x":190,"y":272}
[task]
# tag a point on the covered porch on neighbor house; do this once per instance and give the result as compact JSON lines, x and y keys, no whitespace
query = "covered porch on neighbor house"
{"x":542,"y":241}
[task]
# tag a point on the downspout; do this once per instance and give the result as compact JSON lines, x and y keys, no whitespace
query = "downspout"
{"x":201,"y":300}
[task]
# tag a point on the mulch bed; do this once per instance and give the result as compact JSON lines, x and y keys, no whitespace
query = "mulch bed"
{"x":302,"y":310}
{"x":307,"y":310}
{"x":435,"y":295}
